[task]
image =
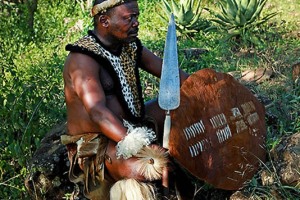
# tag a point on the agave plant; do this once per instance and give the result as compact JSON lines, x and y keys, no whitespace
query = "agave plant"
{"x":240,"y":15}
{"x":187,"y":15}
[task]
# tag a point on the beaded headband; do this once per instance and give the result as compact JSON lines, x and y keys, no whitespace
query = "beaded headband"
{"x":102,"y":7}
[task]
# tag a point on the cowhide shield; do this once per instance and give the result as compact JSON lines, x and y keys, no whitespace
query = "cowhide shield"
{"x":218,"y":132}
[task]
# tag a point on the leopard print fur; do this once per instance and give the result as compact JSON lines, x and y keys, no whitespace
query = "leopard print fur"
{"x":124,"y":67}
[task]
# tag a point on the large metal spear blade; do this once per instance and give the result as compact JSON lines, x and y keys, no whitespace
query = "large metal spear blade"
{"x":169,"y":89}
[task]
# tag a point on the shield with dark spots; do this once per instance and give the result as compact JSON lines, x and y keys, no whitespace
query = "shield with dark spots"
{"x":218,"y":132}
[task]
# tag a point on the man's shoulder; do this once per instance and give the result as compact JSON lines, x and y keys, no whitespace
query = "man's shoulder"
{"x":81,"y":62}
{"x":86,"y":48}
{"x":85,"y":44}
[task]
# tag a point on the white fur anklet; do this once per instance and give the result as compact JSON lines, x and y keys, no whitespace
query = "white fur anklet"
{"x":134,"y":141}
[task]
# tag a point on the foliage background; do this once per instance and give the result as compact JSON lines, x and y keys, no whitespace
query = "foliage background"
{"x":32,"y":39}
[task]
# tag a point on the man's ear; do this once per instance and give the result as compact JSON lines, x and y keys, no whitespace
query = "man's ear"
{"x":103,"y":19}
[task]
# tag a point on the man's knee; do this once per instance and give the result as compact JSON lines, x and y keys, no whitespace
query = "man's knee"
{"x":147,"y":166}
{"x":121,"y":168}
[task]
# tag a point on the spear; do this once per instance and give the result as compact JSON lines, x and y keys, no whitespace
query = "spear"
{"x":169,"y":88}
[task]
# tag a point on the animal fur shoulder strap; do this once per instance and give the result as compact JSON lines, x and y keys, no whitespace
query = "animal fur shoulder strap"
{"x":123,"y":68}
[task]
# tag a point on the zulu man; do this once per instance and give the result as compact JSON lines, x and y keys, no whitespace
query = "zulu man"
{"x":217,"y":133}
{"x":106,"y":114}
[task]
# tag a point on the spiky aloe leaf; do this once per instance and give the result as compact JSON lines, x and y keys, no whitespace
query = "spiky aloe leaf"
{"x":194,"y":21}
{"x":225,"y":15}
{"x":197,"y":6}
{"x":246,"y":16}
{"x":187,"y":14}
{"x":240,"y":18}
{"x":222,"y":22}
{"x":251,"y":8}
{"x":234,"y":3}
{"x":175,"y":8}
{"x":232,"y":34}
{"x":181,"y":16}
{"x":258,"y":10}
{"x":222,"y":18}
{"x":244,"y":5}
{"x":187,"y":5}
{"x":265,"y":19}
{"x":231,"y":9}
{"x":166,"y":7}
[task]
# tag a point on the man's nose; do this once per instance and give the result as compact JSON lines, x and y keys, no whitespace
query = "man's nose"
{"x":135,"y":22}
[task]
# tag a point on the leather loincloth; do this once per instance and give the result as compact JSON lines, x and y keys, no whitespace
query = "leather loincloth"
{"x":86,"y":153}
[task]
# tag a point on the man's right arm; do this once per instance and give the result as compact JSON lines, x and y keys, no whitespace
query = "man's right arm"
{"x":84,"y":74}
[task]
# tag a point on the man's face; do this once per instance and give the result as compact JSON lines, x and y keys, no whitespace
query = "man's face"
{"x":123,"y":22}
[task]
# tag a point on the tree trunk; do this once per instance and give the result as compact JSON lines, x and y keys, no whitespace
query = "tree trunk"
{"x":32,"y":7}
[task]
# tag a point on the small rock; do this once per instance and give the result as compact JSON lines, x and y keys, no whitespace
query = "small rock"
{"x":257,"y":75}
{"x":194,"y":52}
{"x":267,"y":178}
{"x":238,"y":195}
{"x":48,"y":178}
{"x":287,"y":160}
{"x":296,"y":73}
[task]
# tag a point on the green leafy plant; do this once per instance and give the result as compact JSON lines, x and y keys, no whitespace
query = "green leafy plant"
{"x":187,"y":16}
{"x":31,"y":92}
{"x":240,"y":17}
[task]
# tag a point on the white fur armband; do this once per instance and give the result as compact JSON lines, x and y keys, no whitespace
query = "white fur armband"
{"x":134,"y":141}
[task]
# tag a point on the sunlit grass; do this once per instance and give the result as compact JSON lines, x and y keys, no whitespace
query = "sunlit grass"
{"x":25,"y":115}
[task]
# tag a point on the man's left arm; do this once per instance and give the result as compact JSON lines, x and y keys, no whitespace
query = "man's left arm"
{"x":153,"y":64}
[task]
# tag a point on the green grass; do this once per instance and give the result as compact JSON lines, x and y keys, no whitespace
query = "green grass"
{"x":31,"y":92}
{"x":278,"y":50}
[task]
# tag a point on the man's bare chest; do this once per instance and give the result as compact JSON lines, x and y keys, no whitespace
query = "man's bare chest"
{"x":107,"y":82}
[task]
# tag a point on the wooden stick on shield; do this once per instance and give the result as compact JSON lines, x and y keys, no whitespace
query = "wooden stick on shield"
{"x":169,"y":89}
